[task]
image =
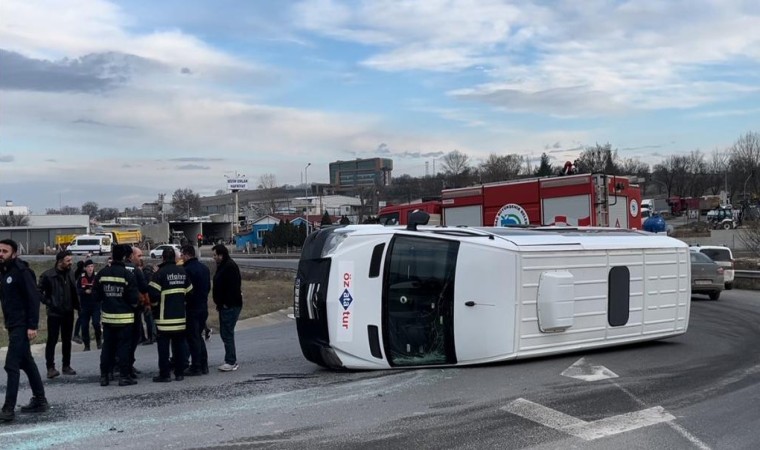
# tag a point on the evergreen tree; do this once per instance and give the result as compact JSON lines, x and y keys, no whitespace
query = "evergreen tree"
{"x":326,"y":219}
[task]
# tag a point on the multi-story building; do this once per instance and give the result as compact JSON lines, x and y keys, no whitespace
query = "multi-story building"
{"x":349,"y":175}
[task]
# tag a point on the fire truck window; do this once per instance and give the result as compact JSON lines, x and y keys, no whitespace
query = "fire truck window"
{"x":388,"y":219}
{"x":418,"y":307}
{"x":618,"y":296}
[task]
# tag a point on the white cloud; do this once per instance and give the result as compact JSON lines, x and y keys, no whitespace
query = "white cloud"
{"x":599,"y":56}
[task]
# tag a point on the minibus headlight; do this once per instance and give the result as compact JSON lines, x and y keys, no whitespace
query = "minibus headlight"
{"x":334,"y":240}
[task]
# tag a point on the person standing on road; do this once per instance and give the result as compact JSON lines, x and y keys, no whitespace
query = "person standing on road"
{"x":20,"y":301}
{"x":133,"y":264}
{"x":228,"y":297}
{"x":169,"y":290}
{"x":59,"y":292}
{"x":197,"y":310}
{"x":90,"y":307}
{"x":78,"y":323}
{"x":116,"y":288}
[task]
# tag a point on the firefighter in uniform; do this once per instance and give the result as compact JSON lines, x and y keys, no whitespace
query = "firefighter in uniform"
{"x":116,"y":287}
{"x":168,"y":291}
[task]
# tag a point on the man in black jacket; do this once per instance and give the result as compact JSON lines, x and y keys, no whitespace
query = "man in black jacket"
{"x":59,"y":292}
{"x":228,"y":297}
{"x":197,"y":310}
{"x":21,"y":310}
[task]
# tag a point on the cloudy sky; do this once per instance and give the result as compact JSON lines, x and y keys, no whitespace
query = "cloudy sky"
{"x":118,"y":101}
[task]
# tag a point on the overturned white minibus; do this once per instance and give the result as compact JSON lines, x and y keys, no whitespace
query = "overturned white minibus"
{"x":374,"y":297}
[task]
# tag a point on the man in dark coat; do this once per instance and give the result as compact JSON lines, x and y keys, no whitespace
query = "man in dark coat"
{"x":59,"y":294}
{"x":197,"y":310}
{"x":20,"y":301}
{"x":228,"y":297}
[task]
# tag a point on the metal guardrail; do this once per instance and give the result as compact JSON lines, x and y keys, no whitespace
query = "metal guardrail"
{"x":747,"y":274}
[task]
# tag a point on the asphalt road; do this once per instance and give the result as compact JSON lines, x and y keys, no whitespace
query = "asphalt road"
{"x":699,"y":390}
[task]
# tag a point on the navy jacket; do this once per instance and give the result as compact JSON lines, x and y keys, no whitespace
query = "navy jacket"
{"x":200,"y":277}
{"x":19,"y":295}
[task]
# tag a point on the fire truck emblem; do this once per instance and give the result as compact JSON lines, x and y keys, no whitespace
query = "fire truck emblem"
{"x":510,"y":215}
{"x":634,"y":208}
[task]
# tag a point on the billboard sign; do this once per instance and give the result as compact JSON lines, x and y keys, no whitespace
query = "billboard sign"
{"x":237,"y":184}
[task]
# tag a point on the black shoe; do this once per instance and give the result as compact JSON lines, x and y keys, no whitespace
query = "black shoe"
{"x":204,"y":370}
{"x":104,"y":381}
{"x":126,"y":381}
{"x":86,"y":348}
{"x":7,"y":414}
{"x":179,"y":377}
{"x":160,"y":379}
{"x":136,"y":372}
{"x":193,"y":372}
{"x":98,"y":343}
{"x":77,"y":339}
{"x":36,"y":405}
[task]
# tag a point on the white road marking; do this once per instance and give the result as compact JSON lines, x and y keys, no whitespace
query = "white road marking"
{"x":676,"y":427}
{"x":583,"y":370}
{"x":587,"y":431}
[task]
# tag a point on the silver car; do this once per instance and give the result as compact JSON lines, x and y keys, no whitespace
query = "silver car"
{"x":706,"y":276}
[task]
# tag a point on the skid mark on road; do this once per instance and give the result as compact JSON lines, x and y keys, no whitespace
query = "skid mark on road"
{"x":132,"y":427}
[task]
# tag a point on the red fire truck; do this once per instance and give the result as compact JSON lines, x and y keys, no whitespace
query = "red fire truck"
{"x":576,"y":200}
{"x":398,"y":214}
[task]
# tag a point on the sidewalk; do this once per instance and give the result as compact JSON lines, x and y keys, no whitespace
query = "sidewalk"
{"x":38,"y":350}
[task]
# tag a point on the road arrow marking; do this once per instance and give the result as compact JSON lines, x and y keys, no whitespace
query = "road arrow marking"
{"x":587,"y":431}
{"x":583,"y":370}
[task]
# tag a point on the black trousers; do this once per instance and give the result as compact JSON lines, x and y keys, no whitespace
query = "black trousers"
{"x":20,"y":358}
{"x":196,"y":323}
{"x":137,"y":331}
{"x":62,"y":325}
{"x":178,"y":343}
{"x":116,"y":344}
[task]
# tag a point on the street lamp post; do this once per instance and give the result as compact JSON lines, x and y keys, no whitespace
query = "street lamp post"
{"x":745,"y":186}
{"x":306,"y":179}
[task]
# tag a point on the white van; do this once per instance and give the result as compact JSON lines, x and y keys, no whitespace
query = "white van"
{"x":90,"y":244}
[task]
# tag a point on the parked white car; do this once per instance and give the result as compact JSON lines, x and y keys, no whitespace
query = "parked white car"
{"x":158,"y":251}
{"x":722,"y":257}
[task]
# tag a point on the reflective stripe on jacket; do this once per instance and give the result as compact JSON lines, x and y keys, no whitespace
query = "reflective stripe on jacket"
{"x":116,"y":288}
{"x":168,"y":293}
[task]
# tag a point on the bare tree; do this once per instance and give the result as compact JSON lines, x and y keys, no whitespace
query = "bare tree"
{"x":185,"y":202}
{"x":14,"y":220}
{"x":717,"y":170}
{"x":268,"y":184}
{"x":598,"y":159}
{"x":745,"y":162}
{"x":455,"y":163}
{"x":456,"y":168}
{"x":670,"y":174}
{"x":65,"y":210}
{"x":498,"y":168}
{"x":106,"y":214}
{"x":90,"y":209}
{"x":696,"y":174}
